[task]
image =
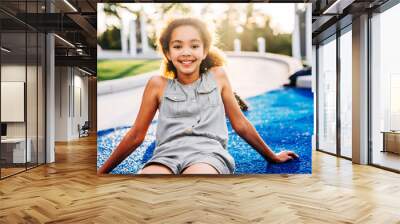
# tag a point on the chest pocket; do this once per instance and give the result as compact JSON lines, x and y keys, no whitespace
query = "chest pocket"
{"x":209,"y":96}
{"x":177,"y":105}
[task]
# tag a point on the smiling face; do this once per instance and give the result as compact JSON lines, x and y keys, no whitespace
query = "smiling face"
{"x":186,"y":50}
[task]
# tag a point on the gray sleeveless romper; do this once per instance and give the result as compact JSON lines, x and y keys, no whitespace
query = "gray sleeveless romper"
{"x":192,"y":127}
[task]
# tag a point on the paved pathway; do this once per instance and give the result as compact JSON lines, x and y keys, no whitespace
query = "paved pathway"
{"x":248,"y":76}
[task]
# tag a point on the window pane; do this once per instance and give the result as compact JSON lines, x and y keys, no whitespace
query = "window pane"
{"x":346,"y":94}
{"x":327,"y":97}
{"x":385,"y":89}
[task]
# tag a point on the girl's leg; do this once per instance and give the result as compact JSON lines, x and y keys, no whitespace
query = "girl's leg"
{"x":200,"y":168}
{"x":155,"y":169}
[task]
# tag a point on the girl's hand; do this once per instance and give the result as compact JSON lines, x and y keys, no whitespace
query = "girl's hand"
{"x":100,"y":171}
{"x":284,"y":156}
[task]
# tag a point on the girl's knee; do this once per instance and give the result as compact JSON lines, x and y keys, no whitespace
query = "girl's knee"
{"x":155,"y":169}
{"x":200,"y":168}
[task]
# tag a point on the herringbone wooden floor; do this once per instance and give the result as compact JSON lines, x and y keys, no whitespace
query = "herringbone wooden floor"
{"x":69,"y":191}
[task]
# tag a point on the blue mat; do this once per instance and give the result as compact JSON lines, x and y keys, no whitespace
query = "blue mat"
{"x":283,"y":118}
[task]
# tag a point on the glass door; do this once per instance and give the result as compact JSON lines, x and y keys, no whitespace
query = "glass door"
{"x":14,"y":153}
{"x":22,"y":76}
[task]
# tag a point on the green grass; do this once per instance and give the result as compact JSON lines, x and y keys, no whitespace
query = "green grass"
{"x":115,"y":69}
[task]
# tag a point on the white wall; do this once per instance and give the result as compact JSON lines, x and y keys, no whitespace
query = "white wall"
{"x":81,"y":100}
{"x":71,"y":94}
{"x":62,"y":81}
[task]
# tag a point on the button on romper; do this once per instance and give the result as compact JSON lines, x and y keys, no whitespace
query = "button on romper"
{"x":192,"y":127}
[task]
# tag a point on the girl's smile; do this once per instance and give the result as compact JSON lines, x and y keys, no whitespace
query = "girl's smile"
{"x":187,"y":62}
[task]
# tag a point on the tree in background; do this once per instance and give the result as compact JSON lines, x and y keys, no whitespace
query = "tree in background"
{"x":251,"y":31}
{"x":110,"y":39}
{"x":226,"y":29}
{"x":162,"y":12}
{"x":258,"y":25}
{"x":280,"y":44}
{"x":247,"y":24}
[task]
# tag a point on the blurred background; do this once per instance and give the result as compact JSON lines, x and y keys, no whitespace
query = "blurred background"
{"x":129,"y":31}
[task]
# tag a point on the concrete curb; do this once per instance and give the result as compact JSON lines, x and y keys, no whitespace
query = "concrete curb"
{"x":291,"y":63}
{"x":117,"y":85}
{"x":111,"y":86}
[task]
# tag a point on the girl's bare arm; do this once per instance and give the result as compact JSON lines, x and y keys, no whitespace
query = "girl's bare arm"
{"x":135,"y":136}
{"x":241,"y":125}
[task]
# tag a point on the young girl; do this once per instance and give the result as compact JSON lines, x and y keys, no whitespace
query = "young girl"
{"x":192,"y":133}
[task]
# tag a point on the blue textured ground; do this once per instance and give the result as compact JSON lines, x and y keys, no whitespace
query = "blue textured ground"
{"x":283,"y":118}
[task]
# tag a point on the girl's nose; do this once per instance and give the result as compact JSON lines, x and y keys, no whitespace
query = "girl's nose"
{"x":186,"y":51}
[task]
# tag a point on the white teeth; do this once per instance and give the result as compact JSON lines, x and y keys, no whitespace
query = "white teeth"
{"x":186,"y":62}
